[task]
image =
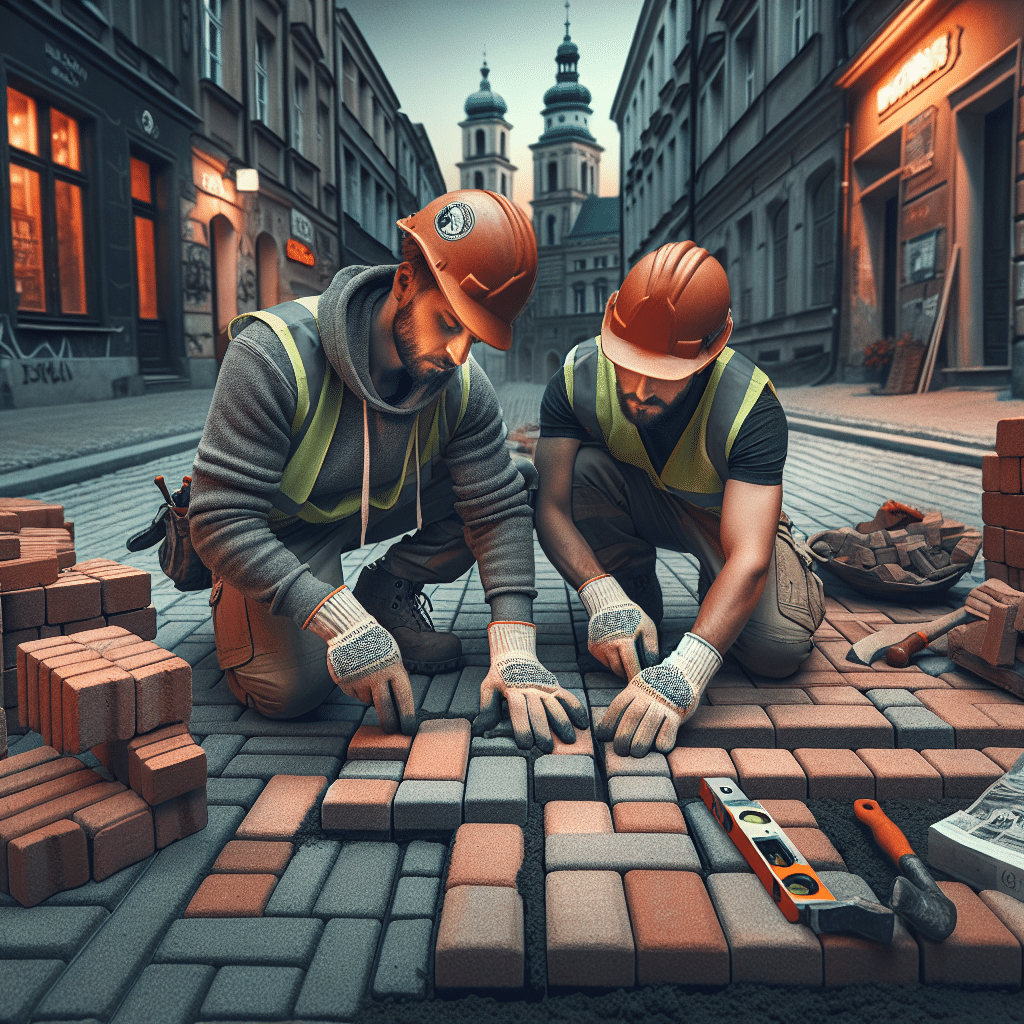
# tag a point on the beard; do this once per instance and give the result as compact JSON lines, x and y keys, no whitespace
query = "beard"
{"x":422,"y":370}
{"x":648,"y":412}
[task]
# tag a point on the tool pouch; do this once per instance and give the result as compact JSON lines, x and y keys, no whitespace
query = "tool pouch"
{"x":178,"y":558}
{"x":801,"y":594}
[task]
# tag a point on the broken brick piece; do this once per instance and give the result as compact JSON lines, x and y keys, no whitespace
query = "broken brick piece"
{"x":47,"y":861}
{"x":966,"y":549}
{"x":119,"y":832}
{"x":1000,"y":640}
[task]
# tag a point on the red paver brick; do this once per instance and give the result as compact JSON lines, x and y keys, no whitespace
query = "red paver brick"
{"x":852,"y":629}
{"x":992,"y":511}
{"x":614,"y":764}
{"x":29,"y":655}
{"x":145,"y":652}
{"x":245,"y":856}
{"x":141,"y":621}
{"x":180,"y":816}
{"x":139,"y":753}
{"x":122,"y":589}
{"x":589,"y":939}
{"x":678,"y":938}
{"x":990,"y":472}
{"x":837,"y":774}
{"x":49,"y":675}
{"x":84,"y":626}
{"x":981,"y":950}
{"x":372,"y":743}
{"x":727,"y":726}
{"x":26,"y":760}
{"x":38,"y":774}
{"x":901,"y":774}
{"x":98,"y":707}
{"x":485,"y":854}
{"x":10,"y":547}
{"x":1009,"y":911}
{"x":440,"y":751}
{"x":817,"y":849}
{"x":14,"y":639}
{"x":173,"y":773}
{"x":835,"y":652}
{"x":359,"y":805}
{"x":790,"y":813}
{"x":232,"y":896}
{"x":280,"y":808}
{"x":1010,"y":437}
{"x":74,"y":596}
{"x":28,"y":571}
{"x":51,"y":789}
{"x":1005,"y":757}
{"x":116,"y":756}
{"x":966,"y":774}
{"x":480,"y":940}
{"x":47,"y":861}
{"x":893,"y":679}
{"x":1009,"y":475}
{"x":758,"y":695}
{"x":836,"y":695}
{"x":119,"y":832}
{"x":576,"y":816}
{"x":583,"y":744}
{"x":649,"y":817}
{"x":689,"y":765}
{"x":23,"y":609}
{"x":976,"y":726}
{"x":992,"y":543}
{"x":769,"y":773}
{"x":829,"y":677}
{"x":815,"y":662}
{"x":824,"y":725}
{"x":105,"y":637}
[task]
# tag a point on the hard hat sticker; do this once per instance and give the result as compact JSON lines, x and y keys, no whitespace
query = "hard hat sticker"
{"x":454,"y":221}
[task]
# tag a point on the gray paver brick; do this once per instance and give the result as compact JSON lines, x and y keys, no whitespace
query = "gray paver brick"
{"x":22,"y":982}
{"x":404,"y":959}
{"x":496,"y":790}
{"x":892,"y":697}
{"x":251,"y":941}
{"x":439,"y":693}
{"x":58,"y":932}
{"x":920,"y":729}
{"x":717,"y":850}
{"x":266,"y":766}
{"x":166,"y":994}
{"x":340,"y":971}
{"x":465,"y":701}
{"x":312,"y":746}
{"x":365,"y":769}
{"x":500,"y":746}
{"x":359,"y":884}
{"x":650,"y":788}
{"x":219,"y":751}
{"x":423,"y":858}
{"x":564,"y":777}
{"x":211,"y":716}
{"x":251,"y":723}
{"x":107,"y":893}
{"x":415,"y":896}
{"x":297,"y":891}
{"x":233,"y":792}
{"x":421,"y":806}
{"x":257,"y":993}
{"x":624,"y":851}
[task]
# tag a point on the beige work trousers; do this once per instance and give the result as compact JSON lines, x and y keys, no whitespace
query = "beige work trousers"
{"x":625,"y":519}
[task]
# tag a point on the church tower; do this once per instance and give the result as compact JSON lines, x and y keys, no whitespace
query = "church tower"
{"x":485,"y":141}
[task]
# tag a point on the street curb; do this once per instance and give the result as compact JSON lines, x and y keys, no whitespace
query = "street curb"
{"x":967,"y":454}
{"x":24,"y":482}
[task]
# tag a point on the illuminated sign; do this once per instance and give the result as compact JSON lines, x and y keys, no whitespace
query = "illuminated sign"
{"x":295,"y":250}
{"x":938,"y":56}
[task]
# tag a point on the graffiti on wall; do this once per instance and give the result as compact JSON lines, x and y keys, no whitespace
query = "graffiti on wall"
{"x":196,"y":274}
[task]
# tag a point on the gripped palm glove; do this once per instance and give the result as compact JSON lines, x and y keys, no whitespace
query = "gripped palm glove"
{"x":534,"y":695}
{"x":619,"y":628}
{"x":651,"y":708}
{"x":364,"y":659}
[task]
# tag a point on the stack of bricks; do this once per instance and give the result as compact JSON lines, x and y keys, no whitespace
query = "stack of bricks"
{"x":1002,"y":504}
{"x":991,"y":647}
{"x":130,"y":702}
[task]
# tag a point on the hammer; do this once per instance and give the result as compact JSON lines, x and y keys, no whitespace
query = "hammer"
{"x":898,"y":645}
{"x":915,"y":896}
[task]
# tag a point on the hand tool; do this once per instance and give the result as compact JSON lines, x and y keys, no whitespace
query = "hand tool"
{"x":799,"y":892}
{"x":915,"y":895}
{"x":159,"y":481}
{"x":902,"y":645}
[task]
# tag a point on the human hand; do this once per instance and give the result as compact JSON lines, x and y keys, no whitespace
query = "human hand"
{"x":619,"y":630}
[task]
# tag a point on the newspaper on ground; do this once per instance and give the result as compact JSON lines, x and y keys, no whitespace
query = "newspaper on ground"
{"x":984,"y":845}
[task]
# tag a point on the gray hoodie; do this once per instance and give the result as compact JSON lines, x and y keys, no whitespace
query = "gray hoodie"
{"x":247,"y":437}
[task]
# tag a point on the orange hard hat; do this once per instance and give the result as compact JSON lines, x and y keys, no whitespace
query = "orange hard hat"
{"x":675,"y":300}
{"x":482,"y":252}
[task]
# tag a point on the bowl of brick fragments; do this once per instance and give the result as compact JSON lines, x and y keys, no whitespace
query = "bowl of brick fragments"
{"x":901,"y":553}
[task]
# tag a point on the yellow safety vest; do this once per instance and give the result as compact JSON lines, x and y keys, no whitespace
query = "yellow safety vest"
{"x":698,"y":467}
{"x":295,"y":325}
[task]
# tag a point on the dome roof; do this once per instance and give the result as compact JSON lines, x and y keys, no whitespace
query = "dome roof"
{"x":483,"y":103}
{"x":563,"y":93}
{"x":567,"y":102}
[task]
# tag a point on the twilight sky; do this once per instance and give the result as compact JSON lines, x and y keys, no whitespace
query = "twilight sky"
{"x":431,"y":51}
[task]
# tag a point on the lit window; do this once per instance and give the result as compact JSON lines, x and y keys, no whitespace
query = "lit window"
{"x":213,"y":41}
{"x":145,"y":239}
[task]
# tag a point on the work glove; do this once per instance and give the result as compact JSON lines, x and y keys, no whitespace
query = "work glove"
{"x":364,"y":659}
{"x":534,"y":695}
{"x":621,"y":635}
{"x":651,"y":708}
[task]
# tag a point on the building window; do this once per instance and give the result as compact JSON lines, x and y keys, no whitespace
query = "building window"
{"x":746,"y":245}
{"x":780,"y":259}
{"x":823,"y":240}
{"x":600,"y":262}
{"x":579,"y":299}
{"x":579,"y":264}
{"x":712,"y":111}
{"x":478,"y":179}
{"x":351,"y":83}
{"x":213,"y":41}
{"x":144,"y":212}
{"x":746,"y":60}
{"x":351,"y":185}
{"x":552,"y":176}
{"x":502,"y":143}
{"x":551,"y":229}
{"x":299,"y":110}
{"x":583,"y":176}
{"x":504,"y":182}
{"x":479,"y":141}
{"x":600,"y":294}
{"x":260,"y":67}
{"x":48,"y":191}
{"x":801,"y":26}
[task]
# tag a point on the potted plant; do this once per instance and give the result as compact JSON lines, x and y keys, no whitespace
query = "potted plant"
{"x":878,"y":358}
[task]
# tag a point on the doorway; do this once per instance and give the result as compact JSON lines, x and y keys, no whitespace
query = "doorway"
{"x":995,"y":245}
{"x":151,"y":271}
{"x":223,"y":281}
{"x":890,"y":266}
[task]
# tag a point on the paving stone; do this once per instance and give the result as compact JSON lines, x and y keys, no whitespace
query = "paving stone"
{"x":635,"y":788}
{"x":769,"y":773}
{"x":300,"y":885}
{"x":981,"y":950}
{"x":790,"y":813}
{"x":651,"y":764}
{"x":266,"y":766}
{"x":717,"y":851}
{"x":166,"y":994}
{"x":485,"y":854}
{"x":573,"y":817}
{"x":480,"y":941}
{"x":823,"y":725}
{"x":619,"y":852}
{"x":404,"y":959}
{"x":564,"y":777}
{"x":582,"y":744}
{"x":359,"y":884}
{"x":340,"y":971}
{"x":728,"y":726}
{"x":179,"y":817}
{"x":439,"y":752}
{"x":281,"y":807}
{"x":589,"y":939}
{"x":501,"y":746}
{"x":415,"y":896}
{"x":47,"y":931}
{"x":371,"y":743}
{"x":834,"y":695}
{"x":497,"y":790}
{"x":233,"y":792}
{"x":648,"y":817}
{"x":835,"y":774}
{"x":389,"y":770}
{"x":234,"y":895}
{"x":678,"y":938}
{"x":465,"y":702}
{"x":219,"y":752}
{"x":306,"y":746}
{"x":421,"y":806}
{"x":764,"y":947}
{"x":359,"y":805}
{"x":848,"y":960}
{"x":902,"y":775}
{"x":22,"y":982}
{"x":974,"y":727}
{"x":48,"y":860}
{"x":817,"y":849}
{"x":689,"y":765}
{"x":423,"y":858}
{"x":1005,"y":757}
{"x":440,"y":692}
{"x":252,"y":941}
{"x":256,"y":993}
{"x":966,"y":774}
{"x":107,"y":893}
{"x":917,"y":728}
{"x":883,"y":699}
{"x":1009,"y":910}
{"x":253,"y":856}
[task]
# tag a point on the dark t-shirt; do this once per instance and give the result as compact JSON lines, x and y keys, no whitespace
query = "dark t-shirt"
{"x":758,"y":454}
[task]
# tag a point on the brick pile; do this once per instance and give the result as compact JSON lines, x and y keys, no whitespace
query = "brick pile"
{"x":991,"y":647}
{"x":128,"y":701}
{"x":1002,"y":504}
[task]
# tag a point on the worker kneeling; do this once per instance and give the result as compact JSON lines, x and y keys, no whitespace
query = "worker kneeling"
{"x":353,"y":417}
{"x":656,"y":434}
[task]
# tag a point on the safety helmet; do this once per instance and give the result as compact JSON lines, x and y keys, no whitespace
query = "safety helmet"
{"x":673,"y":301}
{"x":482,"y":252}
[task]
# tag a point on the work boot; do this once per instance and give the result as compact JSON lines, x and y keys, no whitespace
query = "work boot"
{"x":645,"y":591}
{"x":401,"y":607}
